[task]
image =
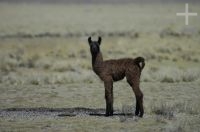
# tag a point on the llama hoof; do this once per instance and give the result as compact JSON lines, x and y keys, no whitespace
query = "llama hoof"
{"x":136,"y":113}
{"x":109,"y":114}
{"x":141,"y":115}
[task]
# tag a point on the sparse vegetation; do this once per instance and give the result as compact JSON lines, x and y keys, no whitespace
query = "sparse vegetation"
{"x":164,"y":110}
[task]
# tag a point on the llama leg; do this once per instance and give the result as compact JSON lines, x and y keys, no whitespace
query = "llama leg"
{"x":134,"y":83}
{"x":109,"y":97}
{"x":137,"y":110}
{"x":139,"y":104}
{"x":139,"y":101}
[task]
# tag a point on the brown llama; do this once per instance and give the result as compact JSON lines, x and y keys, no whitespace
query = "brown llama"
{"x":110,"y":71}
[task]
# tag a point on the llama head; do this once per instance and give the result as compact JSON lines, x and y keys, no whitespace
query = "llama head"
{"x":94,"y":45}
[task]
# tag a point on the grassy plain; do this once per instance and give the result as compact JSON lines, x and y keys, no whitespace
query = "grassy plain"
{"x":55,"y":72}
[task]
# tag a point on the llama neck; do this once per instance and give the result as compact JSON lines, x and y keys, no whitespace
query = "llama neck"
{"x":97,"y":59}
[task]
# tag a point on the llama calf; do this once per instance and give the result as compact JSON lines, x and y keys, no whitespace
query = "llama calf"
{"x":115,"y":70}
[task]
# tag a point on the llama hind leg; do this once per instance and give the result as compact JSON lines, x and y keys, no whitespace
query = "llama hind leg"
{"x":134,"y":83}
{"x":109,"y":97}
{"x":139,"y":101}
{"x":137,"y":110}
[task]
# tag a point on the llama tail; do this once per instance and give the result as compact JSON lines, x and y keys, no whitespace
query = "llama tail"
{"x":140,"y":62}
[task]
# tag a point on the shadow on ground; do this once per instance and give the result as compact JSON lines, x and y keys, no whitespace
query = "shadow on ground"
{"x":60,"y":112}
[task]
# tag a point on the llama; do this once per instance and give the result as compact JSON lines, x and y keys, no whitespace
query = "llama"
{"x":110,"y":71}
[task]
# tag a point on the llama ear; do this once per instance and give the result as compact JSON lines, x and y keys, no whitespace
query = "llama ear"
{"x":89,"y":40}
{"x":99,"y":40}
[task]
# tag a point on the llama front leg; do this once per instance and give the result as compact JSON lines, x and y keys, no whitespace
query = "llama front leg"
{"x":109,"y":97}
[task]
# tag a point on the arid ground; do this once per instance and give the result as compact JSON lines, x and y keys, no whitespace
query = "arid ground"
{"x":46,"y":78}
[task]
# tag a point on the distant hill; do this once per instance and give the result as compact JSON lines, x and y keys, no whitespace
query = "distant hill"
{"x":98,"y":1}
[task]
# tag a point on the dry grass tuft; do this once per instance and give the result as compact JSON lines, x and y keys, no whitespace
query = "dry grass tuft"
{"x":165,"y":110}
